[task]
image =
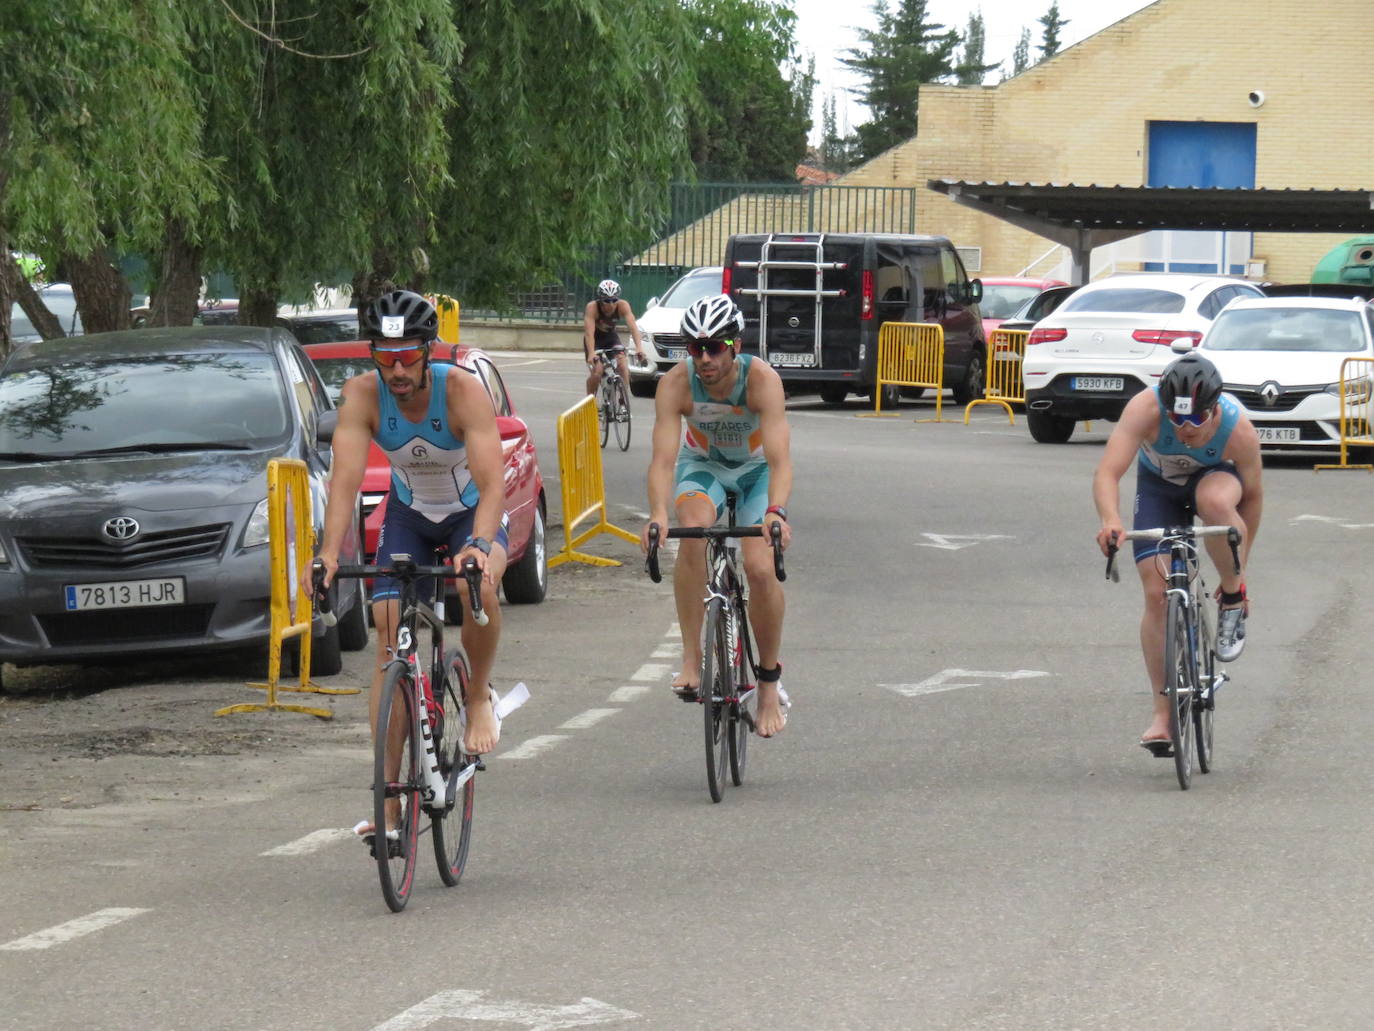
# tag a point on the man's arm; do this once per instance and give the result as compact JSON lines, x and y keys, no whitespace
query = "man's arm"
{"x":668,"y":406}
{"x":470,"y":409}
{"x":629,"y":316}
{"x":589,"y":331}
{"x":1132,"y":429}
{"x":352,"y":439}
{"x":767,"y":397}
{"x":1245,"y":449}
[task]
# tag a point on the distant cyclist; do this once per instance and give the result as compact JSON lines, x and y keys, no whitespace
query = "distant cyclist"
{"x":737,"y":439}
{"x":599,"y":334}
{"x":1196,"y":453}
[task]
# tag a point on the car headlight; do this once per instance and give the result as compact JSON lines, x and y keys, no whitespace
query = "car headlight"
{"x":1357,"y":391}
{"x":258,"y":530}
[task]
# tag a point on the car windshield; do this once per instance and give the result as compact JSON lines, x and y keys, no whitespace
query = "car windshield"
{"x":337,"y":371}
{"x":1001,"y":302}
{"x":90,"y":405}
{"x":1287,"y":329}
{"x":1124,"y":298}
{"x":691,"y":288}
{"x":326,"y":331}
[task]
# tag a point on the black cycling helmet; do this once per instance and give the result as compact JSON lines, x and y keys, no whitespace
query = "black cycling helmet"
{"x":401,"y":315}
{"x":1189,"y":385}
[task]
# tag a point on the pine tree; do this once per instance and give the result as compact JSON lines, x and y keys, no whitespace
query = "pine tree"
{"x":971,"y":71}
{"x":1053,"y":25}
{"x":1020,"y":57}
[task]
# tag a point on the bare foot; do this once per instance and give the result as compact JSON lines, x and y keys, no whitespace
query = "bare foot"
{"x":770,"y":718}
{"x":1157,"y":731}
{"x":483,"y":730}
{"x":686,"y":681}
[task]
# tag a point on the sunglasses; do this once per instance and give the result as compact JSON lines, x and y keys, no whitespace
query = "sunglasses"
{"x":1196,"y":419}
{"x":696,"y":348}
{"x":389,"y":358}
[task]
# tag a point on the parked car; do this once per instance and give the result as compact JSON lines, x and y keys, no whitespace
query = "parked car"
{"x":322,"y":326}
{"x":133,"y":492}
{"x":1281,"y":359}
{"x":208,"y":313}
{"x":1110,"y":340}
{"x":1038,"y":307}
{"x":527,"y":574}
{"x":60,"y":300}
{"x":1003,"y":296}
{"x":661,"y":326}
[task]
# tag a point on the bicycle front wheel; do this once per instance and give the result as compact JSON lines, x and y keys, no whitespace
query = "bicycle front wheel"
{"x":396,"y":778}
{"x":739,"y":729}
{"x":604,"y":410}
{"x":715,"y":687}
{"x":452,"y":829}
{"x":1204,"y":706}
{"x":1178,"y":685}
{"x":622,"y":415}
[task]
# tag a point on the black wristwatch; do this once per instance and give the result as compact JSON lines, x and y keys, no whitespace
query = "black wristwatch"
{"x":778,"y":511}
{"x":481,"y":544}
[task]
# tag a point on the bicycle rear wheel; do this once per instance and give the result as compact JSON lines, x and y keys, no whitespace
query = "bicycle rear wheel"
{"x":621,"y":401}
{"x":715,"y":685}
{"x":1178,"y":685}
{"x":397,"y":722}
{"x":1204,"y":707}
{"x":604,"y":411}
{"x":452,"y":829}
{"x":739,"y":729}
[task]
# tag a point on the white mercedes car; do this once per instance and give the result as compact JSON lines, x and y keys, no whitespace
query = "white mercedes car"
{"x":661,"y":326}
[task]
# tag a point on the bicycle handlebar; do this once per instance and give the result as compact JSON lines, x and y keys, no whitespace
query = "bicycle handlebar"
{"x":712,"y":533}
{"x":402,"y":568}
{"x":1161,"y":533}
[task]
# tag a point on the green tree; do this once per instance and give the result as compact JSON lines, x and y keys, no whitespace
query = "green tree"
{"x":1020,"y":57}
{"x":971,"y":71}
{"x":903,"y":52}
{"x":1053,"y":25}
{"x":836,"y":152}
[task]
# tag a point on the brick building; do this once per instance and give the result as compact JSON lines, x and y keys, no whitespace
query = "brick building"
{"x":1215,"y":90}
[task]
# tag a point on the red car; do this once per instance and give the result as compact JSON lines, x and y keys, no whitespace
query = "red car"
{"x":1002,"y":296}
{"x":527,"y":574}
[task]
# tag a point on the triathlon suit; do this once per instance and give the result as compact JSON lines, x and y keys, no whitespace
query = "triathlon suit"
{"x":722,"y":449}
{"x":433,"y":499}
{"x":605,"y":337}
{"x":1168,"y":472}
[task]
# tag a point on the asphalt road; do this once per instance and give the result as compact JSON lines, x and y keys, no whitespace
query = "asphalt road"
{"x":956,"y":830}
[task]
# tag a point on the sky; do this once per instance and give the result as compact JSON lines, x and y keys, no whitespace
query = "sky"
{"x":827,"y":28}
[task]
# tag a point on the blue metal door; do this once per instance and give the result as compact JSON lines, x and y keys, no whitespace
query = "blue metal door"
{"x":1204,"y":155}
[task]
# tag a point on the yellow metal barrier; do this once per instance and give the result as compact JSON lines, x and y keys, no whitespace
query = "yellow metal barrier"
{"x":1357,"y":410}
{"x":1005,"y":384}
{"x":584,"y":485}
{"x":910,"y":354}
{"x":291,"y":546}
{"x":449,"y":310}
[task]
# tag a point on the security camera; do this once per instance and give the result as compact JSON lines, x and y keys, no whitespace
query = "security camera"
{"x":1256,"y":97}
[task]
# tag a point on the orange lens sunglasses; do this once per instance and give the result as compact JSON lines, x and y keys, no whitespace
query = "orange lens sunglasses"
{"x":391,"y":357}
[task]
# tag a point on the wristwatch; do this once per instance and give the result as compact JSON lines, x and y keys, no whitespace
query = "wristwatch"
{"x":778,"y":511}
{"x":481,"y":544}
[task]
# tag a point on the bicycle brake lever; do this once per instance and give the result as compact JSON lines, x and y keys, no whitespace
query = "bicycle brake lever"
{"x":651,"y":557}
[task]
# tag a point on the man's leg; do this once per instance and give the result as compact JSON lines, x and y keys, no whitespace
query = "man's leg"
{"x":593,"y":376}
{"x":480,"y":643}
{"x":386,"y":613}
{"x":1217,"y":498}
{"x":689,"y":584}
{"x":1152,"y":645}
{"x":622,"y":363}
{"x":767,"y":605}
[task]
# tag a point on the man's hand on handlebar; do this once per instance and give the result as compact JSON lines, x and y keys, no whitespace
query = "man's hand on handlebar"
{"x":770,"y":519}
{"x":659,"y":518}
{"x":330,"y":565}
{"x":1110,"y":537}
{"x":478,"y":558}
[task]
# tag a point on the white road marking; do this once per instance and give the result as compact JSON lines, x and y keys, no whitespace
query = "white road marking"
{"x":667,"y":651}
{"x":946,"y":541}
{"x":629,"y":692}
{"x":674,"y":631}
{"x":944,"y":680}
{"x":586,"y":719}
{"x":72,"y":929}
{"x":651,"y":671}
{"x":518,"y":365}
{"x":1335,"y":520}
{"x":312,"y":842}
{"x":463,"y":1004}
{"x":533,"y":746}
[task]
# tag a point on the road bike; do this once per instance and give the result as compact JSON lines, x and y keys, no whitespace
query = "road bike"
{"x":418,"y":757}
{"x":613,"y":401}
{"x":1191,"y":676}
{"x":729,"y":669}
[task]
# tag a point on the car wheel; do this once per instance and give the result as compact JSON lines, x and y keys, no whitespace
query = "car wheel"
{"x":527,"y":581}
{"x":353,"y":625}
{"x":834,"y":393}
{"x":1049,"y":429}
{"x":972,"y":387}
{"x":643,"y":387}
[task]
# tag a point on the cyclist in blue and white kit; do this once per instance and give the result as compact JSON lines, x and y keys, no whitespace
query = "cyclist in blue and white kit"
{"x":437,"y":426}
{"x":737,"y":439}
{"x":1196,"y":453}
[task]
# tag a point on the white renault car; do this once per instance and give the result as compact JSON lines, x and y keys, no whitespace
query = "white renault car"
{"x":1111,"y":339}
{"x":1281,"y":358}
{"x":661,"y":327}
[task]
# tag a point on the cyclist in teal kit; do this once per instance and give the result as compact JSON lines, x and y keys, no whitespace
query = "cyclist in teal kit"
{"x":736,"y":439}
{"x":1196,"y":453}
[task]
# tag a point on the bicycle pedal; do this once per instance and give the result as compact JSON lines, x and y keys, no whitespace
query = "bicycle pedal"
{"x":481,"y":766}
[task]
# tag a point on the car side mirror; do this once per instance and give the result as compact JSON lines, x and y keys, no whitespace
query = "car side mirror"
{"x":325,"y":426}
{"x":652,"y":303}
{"x":1182,"y":345}
{"x":975,"y":291}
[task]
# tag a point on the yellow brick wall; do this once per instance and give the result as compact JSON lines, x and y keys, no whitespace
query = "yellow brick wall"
{"x":1082,"y":117}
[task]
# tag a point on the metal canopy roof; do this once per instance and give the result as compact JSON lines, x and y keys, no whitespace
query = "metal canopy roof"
{"x":1084,"y":217}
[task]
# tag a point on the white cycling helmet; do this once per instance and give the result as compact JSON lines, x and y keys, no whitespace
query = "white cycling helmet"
{"x":608,"y":290}
{"x":712,"y":318}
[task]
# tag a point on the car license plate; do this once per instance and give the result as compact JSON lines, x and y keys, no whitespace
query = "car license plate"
{"x":677,"y":354}
{"x":126,"y":594}
{"x":796,"y":360}
{"x":1098,"y":383}
{"x":1278,"y":434}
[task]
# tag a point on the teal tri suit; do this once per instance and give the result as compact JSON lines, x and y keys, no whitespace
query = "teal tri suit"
{"x":722,"y":449}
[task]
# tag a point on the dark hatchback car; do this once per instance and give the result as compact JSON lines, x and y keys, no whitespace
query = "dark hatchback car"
{"x":133,"y":492}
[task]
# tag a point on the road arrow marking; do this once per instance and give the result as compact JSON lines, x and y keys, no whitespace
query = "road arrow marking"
{"x":945,"y":680}
{"x":462,"y":1004}
{"x":947,"y":541}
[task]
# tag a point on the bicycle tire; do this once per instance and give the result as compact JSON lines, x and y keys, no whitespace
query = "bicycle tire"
{"x":714,"y":685}
{"x":622,"y":415}
{"x":604,"y":411}
{"x":739,"y":729}
{"x":1178,"y":685}
{"x":1204,"y":708}
{"x":452,"y":829}
{"x":397,"y":872}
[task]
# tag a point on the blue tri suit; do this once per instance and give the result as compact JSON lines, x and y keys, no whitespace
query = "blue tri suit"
{"x":433,"y":497}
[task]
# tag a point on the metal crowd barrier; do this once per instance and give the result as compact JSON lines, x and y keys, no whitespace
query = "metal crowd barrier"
{"x":584,"y":485}
{"x":1357,"y":410}
{"x":910,"y":354}
{"x":291,"y":546}
{"x":1005,"y":384}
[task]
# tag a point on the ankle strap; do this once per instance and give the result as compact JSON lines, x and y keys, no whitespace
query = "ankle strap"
{"x":770,"y":676}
